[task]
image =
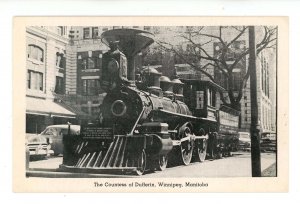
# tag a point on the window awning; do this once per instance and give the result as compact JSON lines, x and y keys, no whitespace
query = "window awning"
{"x":38,"y":106}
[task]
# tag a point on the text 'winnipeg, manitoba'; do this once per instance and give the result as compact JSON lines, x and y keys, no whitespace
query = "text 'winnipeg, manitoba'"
{"x":150,"y":184}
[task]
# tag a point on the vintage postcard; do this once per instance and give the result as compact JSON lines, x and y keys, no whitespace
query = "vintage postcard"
{"x":150,"y":104}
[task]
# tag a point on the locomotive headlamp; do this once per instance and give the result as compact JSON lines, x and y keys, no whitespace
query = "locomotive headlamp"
{"x":118,"y":108}
{"x":113,"y":66}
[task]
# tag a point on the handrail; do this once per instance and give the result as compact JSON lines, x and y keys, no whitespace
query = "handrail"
{"x":136,"y":122}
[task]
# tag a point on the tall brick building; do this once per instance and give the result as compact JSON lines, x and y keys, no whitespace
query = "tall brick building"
{"x":46,"y":74}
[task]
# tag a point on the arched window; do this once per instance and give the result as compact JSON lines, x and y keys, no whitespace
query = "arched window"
{"x":35,"y":52}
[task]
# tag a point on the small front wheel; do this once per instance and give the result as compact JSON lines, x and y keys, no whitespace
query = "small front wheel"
{"x":141,"y":163}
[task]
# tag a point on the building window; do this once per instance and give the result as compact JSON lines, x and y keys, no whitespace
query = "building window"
{"x":59,"y":86}
{"x":95,"y":32}
{"x":34,"y":80}
{"x":90,"y":86}
{"x":105,"y":29}
{"x":35,"y":123}
{"x":86,"y":33}
{"x":60,"y":30}
{"x":211,"y":98}
{"x":262,"y":79}
{"x":237,"y":80}
{"x":265,"y":86}
{"x":245,"y":104}
{"x":36,"y":53}
{"x":82,"y":63}
{"x":28,"y":80}
{"x":60,"y":60}
{"x":189,"y":28}
{"x":90,"y":63}
{"x":221,"y":79}
{"x":232,"y":53}
{"x":267,"y":80}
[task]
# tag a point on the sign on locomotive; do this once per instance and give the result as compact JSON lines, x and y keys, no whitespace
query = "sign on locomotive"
{"x":149,"y":121}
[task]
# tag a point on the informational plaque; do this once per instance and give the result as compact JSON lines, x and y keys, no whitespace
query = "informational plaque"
{"x":97,"y":133}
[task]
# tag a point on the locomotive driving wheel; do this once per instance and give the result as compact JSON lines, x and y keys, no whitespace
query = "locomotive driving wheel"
{"x":162,"y":162}
{"x":141,"y":163}
{"x":187,"y":145}
{"x":201,"y":150}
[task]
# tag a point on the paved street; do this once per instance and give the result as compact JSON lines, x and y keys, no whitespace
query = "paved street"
{"x":238,"y":165}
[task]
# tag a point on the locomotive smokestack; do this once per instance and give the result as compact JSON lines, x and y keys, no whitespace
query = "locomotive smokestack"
{"x":131,"y":42}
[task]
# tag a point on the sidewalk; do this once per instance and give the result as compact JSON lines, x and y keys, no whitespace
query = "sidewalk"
{"x":270,"y":171}
{"x":239,"y":165}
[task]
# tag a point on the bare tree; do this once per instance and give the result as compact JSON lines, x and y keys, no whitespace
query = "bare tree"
{"x":199,"y":58}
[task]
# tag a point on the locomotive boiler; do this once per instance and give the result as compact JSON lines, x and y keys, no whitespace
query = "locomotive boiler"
{"x":146,"y":120}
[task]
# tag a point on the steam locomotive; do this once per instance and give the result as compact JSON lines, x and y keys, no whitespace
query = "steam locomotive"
{"x":148,"y":120}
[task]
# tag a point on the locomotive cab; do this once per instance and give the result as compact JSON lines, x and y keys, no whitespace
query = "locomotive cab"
{"x":200,"y":96}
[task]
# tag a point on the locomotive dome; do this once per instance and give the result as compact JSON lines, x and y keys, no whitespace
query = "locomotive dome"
{"x":177,"y":81}
{"x":150,"y":70}
{"x":164,"y":79}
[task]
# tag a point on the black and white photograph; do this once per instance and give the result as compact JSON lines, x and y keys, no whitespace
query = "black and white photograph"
{"x":139,"y":105}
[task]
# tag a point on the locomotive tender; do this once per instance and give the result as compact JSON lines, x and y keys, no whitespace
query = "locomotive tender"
{"x":146,"y":119}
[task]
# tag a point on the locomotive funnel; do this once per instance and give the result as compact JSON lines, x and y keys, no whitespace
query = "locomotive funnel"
{"x":130,"y":42}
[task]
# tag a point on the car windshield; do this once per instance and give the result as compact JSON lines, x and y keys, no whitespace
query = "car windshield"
{"x":268,"y":136}
{"x":61,"y":130}
{"x":50,"y":131}
{"x":244,"y":136}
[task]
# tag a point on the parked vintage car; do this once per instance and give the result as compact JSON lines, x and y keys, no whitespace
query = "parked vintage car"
{"x":38,"y":146}
{"x":244,"y":141}
{"x":268,"y":142}
{"x":55,"y":134}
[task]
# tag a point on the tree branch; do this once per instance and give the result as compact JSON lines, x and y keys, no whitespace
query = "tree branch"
{"x":220,"y":62}
{"x":237,"y":60}
{"x":187,"y":62}
{"x":238,"y":36}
